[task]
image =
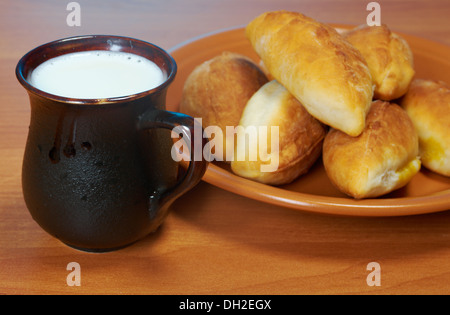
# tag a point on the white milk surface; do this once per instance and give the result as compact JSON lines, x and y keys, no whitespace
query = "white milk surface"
{"x":96,"y":75}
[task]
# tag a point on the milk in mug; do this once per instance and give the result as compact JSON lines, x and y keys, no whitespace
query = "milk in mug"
{"x":96,"y":74}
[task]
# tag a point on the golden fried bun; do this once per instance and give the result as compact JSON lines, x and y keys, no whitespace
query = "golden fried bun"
{"x":382,"y":159}
{"x":389,"y":58}
{"x":292,"y":144}
{"x":266,"y":72}
{"x":317,"y":65}
{"x":428,"y":104}
{"x":218,"y":90}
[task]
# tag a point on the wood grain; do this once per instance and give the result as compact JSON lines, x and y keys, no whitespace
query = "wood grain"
{"x":213,"y":242}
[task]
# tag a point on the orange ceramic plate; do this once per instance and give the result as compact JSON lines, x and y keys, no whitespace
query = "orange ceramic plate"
{"x":426,"y":193}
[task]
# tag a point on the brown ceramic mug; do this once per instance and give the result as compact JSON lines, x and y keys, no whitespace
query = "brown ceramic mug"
{"x":98,"y":173}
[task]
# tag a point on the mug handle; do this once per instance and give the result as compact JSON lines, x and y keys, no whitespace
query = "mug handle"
{"x":169,"y":120}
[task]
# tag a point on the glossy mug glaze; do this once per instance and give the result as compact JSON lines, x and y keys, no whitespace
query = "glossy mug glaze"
{"x":97,"y":173}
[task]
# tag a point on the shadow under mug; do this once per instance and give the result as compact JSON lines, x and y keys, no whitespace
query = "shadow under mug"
{"x":98,"y":174}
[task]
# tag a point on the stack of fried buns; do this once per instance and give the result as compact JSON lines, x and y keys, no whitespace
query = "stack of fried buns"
{"x":350,"y":98}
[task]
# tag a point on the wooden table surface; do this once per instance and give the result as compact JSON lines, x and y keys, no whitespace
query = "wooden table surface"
{"x":213,"y":242}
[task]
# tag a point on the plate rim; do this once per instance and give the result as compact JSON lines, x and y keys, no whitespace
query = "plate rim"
{"x":339,"y":206}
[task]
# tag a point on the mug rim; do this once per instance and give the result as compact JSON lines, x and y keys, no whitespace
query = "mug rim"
{"x":23,"y":63}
